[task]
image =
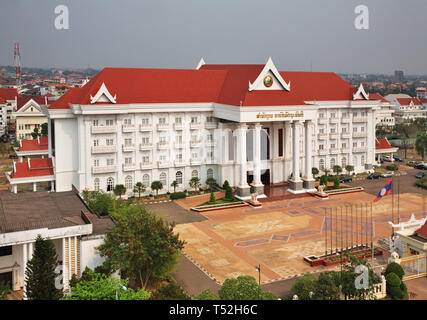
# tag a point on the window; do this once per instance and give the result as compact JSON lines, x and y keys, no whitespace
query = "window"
{"x":210,"y":173}
{"x":344,"y":162}
{"x":344,"y":114}
{"x":209,"y":119}
{"x":128,"y":161}
{"x":127,"y":122}
{"x":280,"y":136}
{"x":344,"y":130}
{"x":362,"y":129}
{"x":344,"y":145}
{"x":128,"y":142}
{"x":354,"y":144}
{"x":145,"y":159}
{"x":162,"y":139}
{"x":96,"y":163}
{"x":110,"y":184}
{"x":321,"y":164}
{"x":179,"y":157}
{"x":332,"y":145}
{"x":162,"y":120}
{"x":109,"y":122}
{"x":128,"y":183}
{"x":145,"y":140}
{"x":95,"y":143}
{"x":96,"y":184}
{"x":163,"y":179}
{"x":27,"y":127}
{"x":332,"y":114}
{"x":193,"y":119}
{"x":110,"y":162}
{"x":5,"y":251}
{"x":354,"y":129}
{"x":362,"y":160}
{"x":162,"y":157}
{"x":194,"y":174}
{"x":146,"y":180}
{"x":178,"y":120}
{"x":332,"y":163}
{"x":95,"y":123}
{"x":109,"y":142}
{"x":320,"y":146}
{"x":321,"y":130}
{"x":145,"y":121}
{"x":209,"y":155}
{"x":178,"y":177}
{"x":333,"y":130}
{"x":321,"y":115}
{"x":194,"y":155}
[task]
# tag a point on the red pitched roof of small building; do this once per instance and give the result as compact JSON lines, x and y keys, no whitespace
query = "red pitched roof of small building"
{"x":41,"y":100}
{"x":407,"y":101}
{"x":8,"y":93}
{"x":227,"y":84}
{"x":422,"y":231}
{"x":34,"y":144}
{"x":34,"y":167}
{"x":382,"y":144}
{"x":376,"y":96}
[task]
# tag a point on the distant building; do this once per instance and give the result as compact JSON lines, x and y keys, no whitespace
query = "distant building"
{"x":8,"y":101}
{"x":421,"y":93}
{"x":398,"y":76}
{"x":29,"y":115}
{"x":408,"y":109}
{"x":384,"y":116}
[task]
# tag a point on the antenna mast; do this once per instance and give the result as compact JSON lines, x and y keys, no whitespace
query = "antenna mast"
{"x":17,"y":61}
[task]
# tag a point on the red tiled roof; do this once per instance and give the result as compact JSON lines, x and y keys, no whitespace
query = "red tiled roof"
{"x":376,"y":96}
{"x":34,"y":167}
{"x":407,"y":101}
{"x":422,"y":231}
{"x":8,"y":93}
{"x":41,"y":100}
{"x":226,"y":84}
{"x":382,"y":144}
{"x":34,"y":144}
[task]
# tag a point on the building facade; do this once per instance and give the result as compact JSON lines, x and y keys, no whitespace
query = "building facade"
{"x":249,"y":124}
{"x":29,"y":116}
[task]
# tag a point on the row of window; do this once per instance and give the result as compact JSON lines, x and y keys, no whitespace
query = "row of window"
{"x":332,"y":162}
{"x":146,"y":121}
{"x":343,"y":114}
{"x":343,"y":145}
{"x":28,"y":126}
{"x":129,"y":183}
{"x":343,"y":130}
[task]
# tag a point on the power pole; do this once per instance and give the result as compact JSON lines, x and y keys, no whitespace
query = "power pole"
{"x":17,"y":61}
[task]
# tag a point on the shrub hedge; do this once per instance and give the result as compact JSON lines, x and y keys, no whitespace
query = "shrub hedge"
{"x":178,"y":195}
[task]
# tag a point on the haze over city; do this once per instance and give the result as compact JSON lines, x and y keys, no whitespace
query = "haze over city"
{"x":298,"y":35}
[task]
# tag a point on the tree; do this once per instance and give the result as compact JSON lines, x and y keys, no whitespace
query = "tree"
{"x":194,"y":183}
{"x":157,"y":185}
{"x":326,"y":171}
{"x":44,"y":131}
{"x":211,"y":182}
{"x":394,"y":286}
{"x":421,"y":145}
{"x":174,"y":184}
{"x":243,"y":288}
{"x":324,"y":181}
{"x":212,"y":198}
{"x":100,"y":202}
{"x":119,"y":190}
{"x":336,"y":182}
{"x":315,"y":171}
{"x":170,"y":291}
{"x":326,"y":287}
{"x":3,"y":149}
{"x":337,"y":169}
{"x":349,"y":168}
{"x":225,"y":185}
{"x":141,"y":245}
{"x":102,"y":287}
{"x":396,"y":269}
{"x":207,"y":295}
{"x":304,"y":286}
{"x":228,"y":193}
{"x":4,"y":290}
{"x":35,"y":134}
{"x":139,"y":188}
{"x":40,"y":272}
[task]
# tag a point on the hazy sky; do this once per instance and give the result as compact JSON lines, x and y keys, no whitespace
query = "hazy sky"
{"x":176,"y":33}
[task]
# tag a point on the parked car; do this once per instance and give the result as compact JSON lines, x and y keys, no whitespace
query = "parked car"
{"x":387,"y":174}
{"x":13,"y":156}
{"x":374,"y":176}
{"x":346,"y":179}
{"x":411,"y":163}
{"x":387,"y":159}
{"x":421,"y":167}
{"x":397,"y":158}
{"x":420,"y":175}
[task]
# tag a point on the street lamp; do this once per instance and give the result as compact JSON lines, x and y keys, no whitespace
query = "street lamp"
{"x":259,"y":274}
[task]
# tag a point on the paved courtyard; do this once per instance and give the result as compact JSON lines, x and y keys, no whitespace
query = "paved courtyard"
{"x":277,"y":236}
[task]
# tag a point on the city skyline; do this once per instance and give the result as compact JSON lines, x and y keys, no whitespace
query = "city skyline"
{"x":304,"y":35}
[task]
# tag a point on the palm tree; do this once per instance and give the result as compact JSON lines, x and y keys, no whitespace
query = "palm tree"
{"x":194,"y":183}
{"x":337,"y":169}
{"x":157,"y":185}
{"x":174,"y":184}
{"x":349,"y":168}
{"x":139,"y":188}
{"x":421,"y":145}
{"x":314,"y":172}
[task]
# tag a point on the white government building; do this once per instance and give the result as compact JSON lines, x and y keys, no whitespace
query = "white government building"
{"x":249,"y":124}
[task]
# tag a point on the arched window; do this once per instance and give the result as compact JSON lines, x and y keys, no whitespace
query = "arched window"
{"x":194,"y":174}
{"x":163,"y":179}
{"x":110,"y":184}
{"x":343,"y":162}
{"x":210,"y":173}
{"x":146,"y":180}
{"x":355,"y":160}
{"x":321,"y":164}
{"x":96,"y":184}
{"x":332,"y":163}
{"x":362,"y":160}
{"x":178,"y":177}
{"x":129,"y":183}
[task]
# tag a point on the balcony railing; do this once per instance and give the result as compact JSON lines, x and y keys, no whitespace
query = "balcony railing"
{"x":163,"y":163}
{"x":146,"y":146}
{"x":104,"y":169}
{"x":345,"y":150}
{"x":195,"y":143}
{"x":334,"y":120}
{"x":179,"y":163}
{"x":129,"y":167}
{"x":195,"y":162}
{"x":360,"y":119}
{"x":323,"y":152}
{"x":345,"y":119}
{"x":323,"y":135}
{"x":104,"y":149}
{"x":162,"y":144}
{"x":323,"y":120}
{"x":195,"y":125}
{"x":162,"y":126}
{"x":178,"y":126}
{"x":103,"y":129}
{"x":334,"y":135}
{"x":360,"y":149}
{"x":334,"y":151}
{"x":146,"y":165}
{"x":145,"y":127}
{"x":128,"y":147}
{"x":211,"y":125}
{"x":345,"y":135}
{"x":360,"y":134}
{"x":128,"y":128}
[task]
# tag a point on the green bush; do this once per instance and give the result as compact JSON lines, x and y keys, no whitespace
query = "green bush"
{"x":324,"y":181}
{"x":207,"y":295}
{"x":178,"y":195}
{"x":228,"y":193}
{"x":212,"y":198}
{"x":394,"y":285}
{"x":395,"y":268}
{"x":336,"y":182}
{"x":422,"y":182}
{"x":392,"y":167}
{"x":170,"y":291}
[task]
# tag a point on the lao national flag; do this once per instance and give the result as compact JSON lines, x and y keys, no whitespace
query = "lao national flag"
{"x":385,"y":190}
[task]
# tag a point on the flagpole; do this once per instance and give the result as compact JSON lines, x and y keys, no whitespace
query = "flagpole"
{"x":398,"y":199}
{"x":372,"y":239}
{"x":392,"y":207}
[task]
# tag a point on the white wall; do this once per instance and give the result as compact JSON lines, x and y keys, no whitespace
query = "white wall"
{"x":89,"y":256}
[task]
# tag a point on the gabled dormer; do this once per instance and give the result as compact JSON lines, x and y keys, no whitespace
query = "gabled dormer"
{"x":103,"y":95}
{"x":269,"y":79}
{"x":361,"y":94}
{"x":30,"y":107}
{"x":201,"y":63}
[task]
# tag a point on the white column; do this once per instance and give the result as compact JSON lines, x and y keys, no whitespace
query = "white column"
{"x":34,"y":186}
{"x":52,"y":186}
{"x":15,"y":188}
{"x":64,"y":267}
{"x":287,"y":151}
{"x":308,"y":150}
{"x":30,"y":251}
{"x":257,"y":155}
{"x":296,"y":131}
{"x":243,"y":157}
{"x":50,"y":135}
{"x":24,"y":265}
